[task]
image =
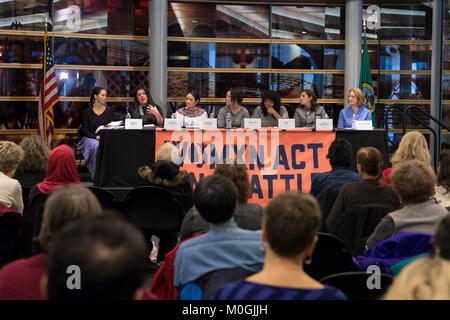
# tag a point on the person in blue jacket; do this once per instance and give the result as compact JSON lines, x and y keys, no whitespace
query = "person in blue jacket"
{"x":356,"y":105}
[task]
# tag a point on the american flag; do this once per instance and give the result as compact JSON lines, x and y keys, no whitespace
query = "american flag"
{"x":48,"y":94}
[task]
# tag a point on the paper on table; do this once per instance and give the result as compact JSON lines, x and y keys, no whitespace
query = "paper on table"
{"x":111,"y":125}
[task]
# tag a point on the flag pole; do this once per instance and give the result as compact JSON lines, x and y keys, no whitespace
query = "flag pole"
{"x":46,"y":23}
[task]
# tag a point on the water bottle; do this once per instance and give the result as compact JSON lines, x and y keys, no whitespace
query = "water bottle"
{"x":326,"y":116}
{"x":354,"y":121}
{"x":228,"y":120}
{"x":128,"y":116}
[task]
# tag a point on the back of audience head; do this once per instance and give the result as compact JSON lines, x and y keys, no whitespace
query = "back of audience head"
{"x":413,"y":146}
{"x":238,"y":174}
{"x":11,"y":155}
{"x":370,"y":161}
{"x":109,"y":253}
{"x":441,"y":240}
{"x":340,"y":153}
{"x":36,"y":154}
{"x":168,"y":152}
{"x":215,"y":198}
{"x":78,"y":202}
{"x":413,"y":181}
{"x":422,"y":279}
{"x":291,"y":222}
{"x":444,"y":169}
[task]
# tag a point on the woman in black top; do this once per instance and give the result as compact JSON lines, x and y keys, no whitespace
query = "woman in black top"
{"x":97,"y":114}
{"x":146,"y":109}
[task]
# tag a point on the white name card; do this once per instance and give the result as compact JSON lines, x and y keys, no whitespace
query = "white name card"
{"x":210,"y":123}
{"x":252,"y":123}
{"x":286,"y":123}
{"x":324,"y":124}
{"x":133,"y":124}
{"x":170,"y":123}
{"x":363,"y":125}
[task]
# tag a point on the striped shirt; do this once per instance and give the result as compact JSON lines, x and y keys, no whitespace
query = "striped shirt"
{"x":245,"y":290}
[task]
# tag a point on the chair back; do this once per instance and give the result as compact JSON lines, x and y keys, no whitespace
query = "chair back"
{"x":10,"y":238}
{"x":326,"y":201}
{"x":360,"y":285}
{"x":330,"y":256}
{"x":153,"y":208}
{"x":25,"y":197}
{"x":106,"y":198}
{"x":204,"y":287}
{"x":31,"y":224}
{"x":356,"y":225}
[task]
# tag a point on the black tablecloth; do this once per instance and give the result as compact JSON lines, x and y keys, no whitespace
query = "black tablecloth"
{"x":371,"y":138}
{"x":120,"y":154}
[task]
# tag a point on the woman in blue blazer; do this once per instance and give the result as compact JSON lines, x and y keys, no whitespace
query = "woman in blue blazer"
{"x":356,"y":105}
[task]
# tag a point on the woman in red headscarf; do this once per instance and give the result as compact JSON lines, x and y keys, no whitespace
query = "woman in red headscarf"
{"x":62,"y":170}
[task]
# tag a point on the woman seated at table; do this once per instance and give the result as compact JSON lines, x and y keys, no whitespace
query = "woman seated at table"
{"x":233,"y":107}
{"x":191,"y":115}
{"x":356,"y":105}
{"x":270,"y":110}
{"x":305,"y":114}
{"x":97,"y":114}
{"x":146,"y":109}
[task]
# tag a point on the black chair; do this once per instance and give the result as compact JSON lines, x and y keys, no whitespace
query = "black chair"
{"x":10,"y":238}
{"x":106,"y":198}
{"x":356,"y":225}
{"x":31,"y":225}
{"x":360,"y":285}
{"x":25,"y":197}
{"x":156,"y":212}
{"x":330,"y":256}
{"x":326,"y":201}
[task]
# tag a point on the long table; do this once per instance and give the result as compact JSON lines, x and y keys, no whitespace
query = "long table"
{"x":277,"y":160}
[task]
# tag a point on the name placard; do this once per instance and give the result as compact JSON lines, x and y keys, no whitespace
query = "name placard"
{"x":363,"y":125}
{"x":286,"y":123}
{"x":210,"y":123}
{"x":324,"y":124}
{"x":133,"y":124}
{"x":170,"y":123}
{"x":252,"y":123}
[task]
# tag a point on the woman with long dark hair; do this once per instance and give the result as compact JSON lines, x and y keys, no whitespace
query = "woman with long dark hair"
{"x":146,"y":109}
{"x":97,"y":114}
{"x":233,"y":108}
{"x":270,"y":110}
{"x":191,"y":115}
{"x":305,"y":114}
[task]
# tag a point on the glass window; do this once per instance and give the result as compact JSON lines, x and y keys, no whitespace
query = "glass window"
{"x":122,"y":17}
{"x":23,"y":15}
{"x":19,"y":82}
{"x":308,"y":56}
{"x":404,"y":86}
{"x":304,"y":22}
{"x":21,"y":49}
{"x":209,"y":20}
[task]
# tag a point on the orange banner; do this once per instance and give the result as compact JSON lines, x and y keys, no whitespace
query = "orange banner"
{"x":277,"y":160}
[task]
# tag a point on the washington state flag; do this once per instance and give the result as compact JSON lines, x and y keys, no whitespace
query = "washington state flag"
{"x":365,"y":83}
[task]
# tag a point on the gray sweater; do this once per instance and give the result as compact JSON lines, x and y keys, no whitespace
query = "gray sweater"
{"x":269,"y":120}
{"x":421,"y":217}
{"x":237,"y":120}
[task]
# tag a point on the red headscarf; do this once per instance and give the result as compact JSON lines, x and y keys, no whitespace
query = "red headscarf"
{"x":62,"y":169}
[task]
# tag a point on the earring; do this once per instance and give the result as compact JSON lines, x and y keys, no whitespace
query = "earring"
{"x":308,"y":260}
{"x":262,"y":247}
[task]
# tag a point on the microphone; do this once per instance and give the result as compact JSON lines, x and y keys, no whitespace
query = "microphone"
{"x":184,"y":117}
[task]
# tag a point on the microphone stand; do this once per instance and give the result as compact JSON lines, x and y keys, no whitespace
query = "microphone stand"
{"x":184,"y":117}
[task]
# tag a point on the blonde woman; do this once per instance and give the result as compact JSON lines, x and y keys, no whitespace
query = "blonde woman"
{"x":10,"y":190}
{"x":422,"y":279}
{"x":356,"y":106}
{"x":412,"y":147}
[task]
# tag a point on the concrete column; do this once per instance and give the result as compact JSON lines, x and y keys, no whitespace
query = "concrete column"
{"x":353,"y":24}
{"x":158,"y":52}
{"x":436,"y":78}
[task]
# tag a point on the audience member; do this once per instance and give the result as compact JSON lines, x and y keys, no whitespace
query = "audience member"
{"x":366,"y":192}
{"x":441,"y":240}
{"x":96,"y":115}
{"x":20,"y":279}
{"x":224,"y":246}
{"x":107,"y":253}
{"x":413,"y":146}
{"x":146,"y":109}
{"x":191,"y":115}
{"x":33,"y":167}
{"x":10,"y":190}
{"x":422,"y":279}
{"x":291,"y":222}
{"x":340,"y":157}
{"x":305,"y":114}
{"x":356,"y":108}
{"x":247,"y":215}
{"x":413,"y":182}
{"x":166,"y":173}
{"x":232,"y":107}
{"x":442,"y":190}
{"x":270,"y":110}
